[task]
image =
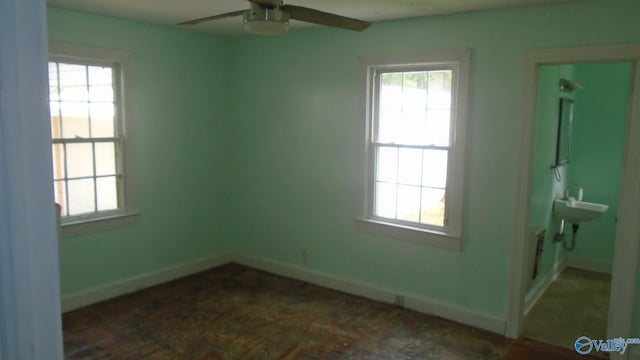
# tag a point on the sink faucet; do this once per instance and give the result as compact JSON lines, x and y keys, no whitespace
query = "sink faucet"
{"x":580,"y":191}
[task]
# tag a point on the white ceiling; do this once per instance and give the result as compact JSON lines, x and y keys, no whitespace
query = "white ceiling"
{"x":170,"y":12}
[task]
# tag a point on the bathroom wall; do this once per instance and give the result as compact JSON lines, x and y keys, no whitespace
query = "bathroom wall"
{"x":544,"y":185}
{"x":600,"y":121}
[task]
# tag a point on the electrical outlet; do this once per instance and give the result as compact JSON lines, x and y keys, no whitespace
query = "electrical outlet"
{"x":304,"y":255}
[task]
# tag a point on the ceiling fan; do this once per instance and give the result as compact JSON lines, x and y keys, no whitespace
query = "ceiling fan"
{"x":271,"y":17}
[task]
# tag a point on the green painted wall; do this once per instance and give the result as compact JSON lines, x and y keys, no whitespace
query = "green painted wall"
{"x":262,"y":145}
{"x":299,"y":131}
{"x":179,"y":112}
{"x":544,"y":185}
{"x":598,"y":150}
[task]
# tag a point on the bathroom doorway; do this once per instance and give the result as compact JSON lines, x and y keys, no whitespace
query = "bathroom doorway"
{"x":580,"y":129}
{"x":591,"y":262}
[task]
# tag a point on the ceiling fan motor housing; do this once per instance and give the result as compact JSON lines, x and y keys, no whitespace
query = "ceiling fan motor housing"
{"x":264,"y":21}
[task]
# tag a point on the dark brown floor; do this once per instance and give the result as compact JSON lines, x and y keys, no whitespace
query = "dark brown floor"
{"x":233,"y":312}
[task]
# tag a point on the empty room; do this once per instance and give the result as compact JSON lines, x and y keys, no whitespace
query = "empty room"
{"x":319,"y":180}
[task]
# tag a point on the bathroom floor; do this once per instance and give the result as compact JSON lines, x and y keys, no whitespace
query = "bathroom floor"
{"x":576,"y":304}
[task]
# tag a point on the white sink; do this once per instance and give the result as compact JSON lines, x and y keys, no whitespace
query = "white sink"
{"x":576,"y":211}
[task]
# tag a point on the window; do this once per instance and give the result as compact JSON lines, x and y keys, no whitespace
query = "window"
{"x":416,"y":132}
{"x":92,"y":174}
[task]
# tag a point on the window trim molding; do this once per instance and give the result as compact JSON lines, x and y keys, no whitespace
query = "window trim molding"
{"x":101,"y":224}
{"x":460,"y":59}
{"x":124,"y":61}
{"x":409,"y":233}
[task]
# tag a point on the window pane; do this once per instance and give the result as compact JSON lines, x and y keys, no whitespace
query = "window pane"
{"x":387,"y":166}
{"x":440,"y":90}
{"x":54,"y":112}
{"x":60,"y":196}
{"x":408,"y":203}
{"x":434,"y":168}
{"x":438,"y":125}
{"x":81,"y":196}
{"x":414,"y":91}
{"x":432,"y":207}
{"x":107,"y":193}
{"x":101,"y":93}
{"x":100,"y":80}
{"x":389,"y":121}
{"x":385,"y":200}
{"x":58,"y":161}
{"x":390,"y":108}
{"x":105,"y":159}
{"x":413,"y":128}
{"x":75,"y":120}
{"x":73,"y":82}
{"x":53,"y":82}
{"x":410,"y":166}
{"x":79,"y":160}
{"x":415,"y":108}
{"x":392,"y":80}
{"x":102,"y":119}
{"x":391,"y":91}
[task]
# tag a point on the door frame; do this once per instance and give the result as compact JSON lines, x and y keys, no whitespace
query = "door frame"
{"x":627,"y":243}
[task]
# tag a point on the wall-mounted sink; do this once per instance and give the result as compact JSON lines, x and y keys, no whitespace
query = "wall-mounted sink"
{"x":576,"y":211}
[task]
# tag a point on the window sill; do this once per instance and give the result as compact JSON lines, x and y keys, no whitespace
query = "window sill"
{"x":413,"y":234}
{"x":93,"y":226}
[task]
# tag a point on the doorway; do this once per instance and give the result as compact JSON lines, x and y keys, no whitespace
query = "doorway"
{"x":581,"y":118}
{"x":627,"y":232}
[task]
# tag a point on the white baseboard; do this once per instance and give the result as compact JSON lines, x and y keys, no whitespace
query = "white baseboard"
{"x":589,"y":264}
{"x":120,"y":287}
{"x":455,"y":313}
{"x":350,"y":286}
{"x":317,"y":278}
{"x":536,"y":292}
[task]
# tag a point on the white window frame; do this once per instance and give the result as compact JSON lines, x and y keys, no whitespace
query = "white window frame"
{"x":450,"y":235}
{"x":122,"y":63}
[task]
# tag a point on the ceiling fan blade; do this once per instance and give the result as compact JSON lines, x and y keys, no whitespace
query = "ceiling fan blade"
{"x":324,"y":18}
{"x":270,"y":4}
{"x":214,"y":17}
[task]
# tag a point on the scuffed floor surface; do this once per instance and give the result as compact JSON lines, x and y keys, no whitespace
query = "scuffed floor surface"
{"x":576,"y":304}
{"x":234,"y":312}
